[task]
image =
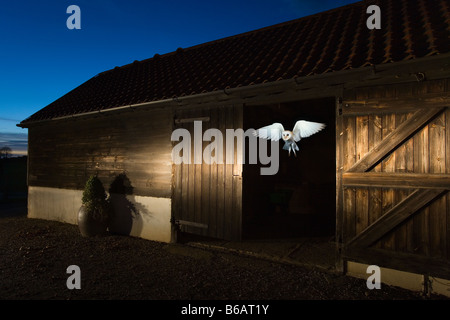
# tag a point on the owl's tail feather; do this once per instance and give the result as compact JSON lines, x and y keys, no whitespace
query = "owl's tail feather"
{"x":294,"y":148}
{"x":291,"y":146}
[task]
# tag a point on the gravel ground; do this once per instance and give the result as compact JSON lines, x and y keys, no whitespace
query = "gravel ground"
{"x":35,"y":255}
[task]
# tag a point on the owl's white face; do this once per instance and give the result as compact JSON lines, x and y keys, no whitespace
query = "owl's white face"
{"x":286,"y":135}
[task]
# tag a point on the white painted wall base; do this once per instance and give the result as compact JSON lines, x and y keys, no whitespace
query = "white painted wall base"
{"x":406,"y":280}
{"x":143,"y":217}
{"x":54,"y":204}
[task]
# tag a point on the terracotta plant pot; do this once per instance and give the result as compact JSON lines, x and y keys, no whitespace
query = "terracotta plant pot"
{"x":90,"y":227}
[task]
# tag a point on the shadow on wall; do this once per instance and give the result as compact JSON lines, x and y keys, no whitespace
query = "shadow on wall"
{"x":128,"y":217}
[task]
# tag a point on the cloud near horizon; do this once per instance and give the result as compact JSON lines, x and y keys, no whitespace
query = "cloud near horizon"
{"x":18,"y":142}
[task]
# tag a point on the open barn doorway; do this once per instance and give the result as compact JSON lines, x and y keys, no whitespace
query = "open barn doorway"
{"x":298,"y":201}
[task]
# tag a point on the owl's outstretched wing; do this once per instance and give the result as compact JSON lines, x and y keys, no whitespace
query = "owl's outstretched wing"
{"x":272,"y":132}
{"x":304,"y":129}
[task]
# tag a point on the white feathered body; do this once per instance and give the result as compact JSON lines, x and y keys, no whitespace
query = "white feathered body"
{"x":276,"y":131}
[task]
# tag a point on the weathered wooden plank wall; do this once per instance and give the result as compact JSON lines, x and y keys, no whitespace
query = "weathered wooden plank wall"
{"x":378,"y":118}
{"x":65,"y":154}
{"x":210,"y":194}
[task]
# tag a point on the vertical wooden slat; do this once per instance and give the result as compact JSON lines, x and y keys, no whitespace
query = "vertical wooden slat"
{"x":191,"y":180}
{"x":339,"y":190}
{"x":206,"y":183}
{"x":237,"y":175}
{"x":421,"y":165}
{"x":221,"y":196}
{"x":437,"y":212}
{"x":177,"y":187}
{"x":188,"y":183}
{"x":229,"y":214}
{"x":185,"y":203}
{"x":375,"y":194}
{"x":388,"y":165}
{"x":399,"y":195}
{"x":349,"y":193}
{"x":446,"y":88}
{"x":213,"y":195}
{"x":409,"y":163}
{"x":442,"y":205}
{"x":197,"y":191}
{"x":447,"y":170}
{"x":438,"y":208}
{"x":424,"y":163}
{"x":362,"y":199}
{"x":375,"y":137}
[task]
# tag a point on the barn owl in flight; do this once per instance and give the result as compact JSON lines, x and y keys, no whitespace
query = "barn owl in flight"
{"x":302,"y":129}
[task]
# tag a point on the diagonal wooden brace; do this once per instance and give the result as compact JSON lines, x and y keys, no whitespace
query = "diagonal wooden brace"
{"x":399,"y":213}
{"x":418,"y":120}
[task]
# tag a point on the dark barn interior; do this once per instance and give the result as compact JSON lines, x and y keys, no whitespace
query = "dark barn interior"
{"x":298,"y":201}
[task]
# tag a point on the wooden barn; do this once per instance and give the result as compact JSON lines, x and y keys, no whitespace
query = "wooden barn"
{"x":377,"y":177}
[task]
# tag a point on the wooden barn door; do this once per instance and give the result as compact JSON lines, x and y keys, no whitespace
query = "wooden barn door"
{"x":207,"y":198}
{"x":394,"y":206}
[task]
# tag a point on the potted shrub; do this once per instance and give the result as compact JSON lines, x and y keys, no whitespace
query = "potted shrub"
{"x":94,"y":214}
